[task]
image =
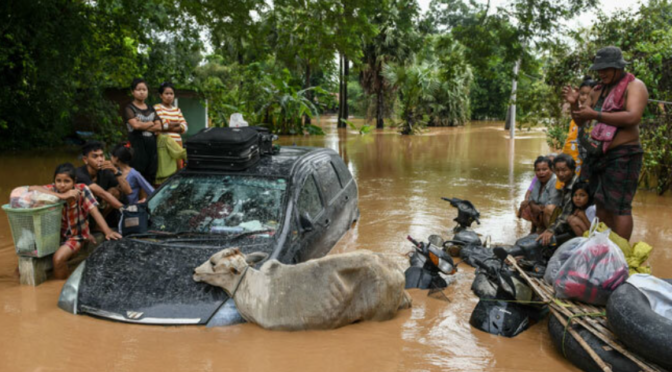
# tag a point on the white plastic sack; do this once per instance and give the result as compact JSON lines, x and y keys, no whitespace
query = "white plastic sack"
{"x":657,"y":291}
{"x":40,"y":199}
{"x":593,"y":271}
{"x":560,"y":256}
{"x":237,"y":121}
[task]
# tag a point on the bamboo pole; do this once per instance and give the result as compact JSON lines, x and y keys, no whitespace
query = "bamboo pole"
{"x":547,"y":294}
{"x":596,"y":358}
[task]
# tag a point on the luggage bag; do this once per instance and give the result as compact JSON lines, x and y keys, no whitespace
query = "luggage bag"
{"x":223,"y":149}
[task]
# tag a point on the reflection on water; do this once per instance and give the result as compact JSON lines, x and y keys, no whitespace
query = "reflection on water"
{"x":401,"y":180}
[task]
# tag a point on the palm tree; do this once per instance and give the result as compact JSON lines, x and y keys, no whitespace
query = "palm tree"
{"x":395,"y":43}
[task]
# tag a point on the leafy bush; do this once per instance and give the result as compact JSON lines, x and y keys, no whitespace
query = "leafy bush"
{"x":656,"y":136}
{"x":556,"y":135}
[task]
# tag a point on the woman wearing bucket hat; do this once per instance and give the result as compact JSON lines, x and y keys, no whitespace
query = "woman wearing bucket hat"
{"x":614,"y":158}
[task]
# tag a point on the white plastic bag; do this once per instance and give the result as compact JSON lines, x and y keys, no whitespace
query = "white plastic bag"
{"x":237,"y":121}
{"x":21,"y":197}
{"x":560,"y":256}
{"x":593,"y":271}
{"x":40,"y":199}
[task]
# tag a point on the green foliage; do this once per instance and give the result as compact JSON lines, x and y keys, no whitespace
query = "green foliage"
{"x":58,"y":56}
{"x":449,"y":103}
{"x":656,"y":136}
{"x":556,"y":134}
{"x":645,"y":38}
{"x":396,"y":42}
{"x":263,"y":92}
{"x":275,"y":62}
{"x":416,"y":86}
{"x":363,"y":129}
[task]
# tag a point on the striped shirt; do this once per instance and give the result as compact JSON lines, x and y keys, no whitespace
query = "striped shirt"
{"x":172,"y":114}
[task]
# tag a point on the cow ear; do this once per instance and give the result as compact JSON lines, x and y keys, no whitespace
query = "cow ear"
{"x":256,"y":257}
{"x":234,"y":271}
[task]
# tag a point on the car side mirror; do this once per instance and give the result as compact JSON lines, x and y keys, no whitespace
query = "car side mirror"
{"x":306,"y":223}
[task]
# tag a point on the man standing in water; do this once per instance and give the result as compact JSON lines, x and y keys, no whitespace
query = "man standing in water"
{"x":613,"y":165}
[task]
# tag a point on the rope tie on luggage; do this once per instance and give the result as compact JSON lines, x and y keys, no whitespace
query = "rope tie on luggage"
{"x":569,"y":322}
{"x":240,"y":281}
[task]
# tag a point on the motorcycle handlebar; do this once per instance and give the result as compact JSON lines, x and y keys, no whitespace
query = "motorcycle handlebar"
{"x":415,"y":242}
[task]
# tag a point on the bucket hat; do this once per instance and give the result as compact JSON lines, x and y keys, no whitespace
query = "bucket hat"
{"x":608,"y":57}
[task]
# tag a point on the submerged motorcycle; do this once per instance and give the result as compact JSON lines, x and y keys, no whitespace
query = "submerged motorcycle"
{"x":467,"y":214}
{"x":534,"y":255}
{"x":427,"y":262}
{"x":507,"y":311}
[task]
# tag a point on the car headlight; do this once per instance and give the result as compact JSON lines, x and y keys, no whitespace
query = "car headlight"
{"x":226,"y":315}
{"x":68,"y":298}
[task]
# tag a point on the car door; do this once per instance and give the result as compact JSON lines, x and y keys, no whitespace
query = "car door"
{"x":335,"y":219}
{"x":309,"y":204}
{"x":348,"y":198}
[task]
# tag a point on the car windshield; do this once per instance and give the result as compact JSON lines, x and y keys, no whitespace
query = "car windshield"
{"x":218,"y":204}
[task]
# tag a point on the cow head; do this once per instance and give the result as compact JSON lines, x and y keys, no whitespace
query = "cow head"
{"x":225,"y":268}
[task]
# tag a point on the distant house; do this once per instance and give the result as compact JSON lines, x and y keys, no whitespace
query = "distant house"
{"x":194,"y":108}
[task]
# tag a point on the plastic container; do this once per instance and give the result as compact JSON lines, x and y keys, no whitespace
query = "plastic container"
{"x":36,"y":231}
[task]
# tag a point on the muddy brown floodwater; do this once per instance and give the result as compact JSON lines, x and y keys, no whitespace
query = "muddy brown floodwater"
{"x":401,"y":180}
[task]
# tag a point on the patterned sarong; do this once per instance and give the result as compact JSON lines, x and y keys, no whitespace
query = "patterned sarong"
{"x":614,"y":176}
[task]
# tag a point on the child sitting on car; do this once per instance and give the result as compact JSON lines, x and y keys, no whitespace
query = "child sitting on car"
{"x":79,"y":203}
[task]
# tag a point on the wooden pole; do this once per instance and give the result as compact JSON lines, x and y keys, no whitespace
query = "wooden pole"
{"x":596,"y":358}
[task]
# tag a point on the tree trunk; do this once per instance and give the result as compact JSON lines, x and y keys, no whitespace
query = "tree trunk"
{"x":346,"y":75}
{"x":511,"y":122}
{"x":309,"y":94}
{"x":380,"y":101}
{"x":340,"y":123}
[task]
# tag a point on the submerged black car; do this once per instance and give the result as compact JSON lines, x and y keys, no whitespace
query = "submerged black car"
{"x":294,"y":205}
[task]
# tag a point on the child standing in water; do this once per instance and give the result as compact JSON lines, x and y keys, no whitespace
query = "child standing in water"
{"x":79,"y":203}
{"x":579,"y":221}
{"x":121,"y":158}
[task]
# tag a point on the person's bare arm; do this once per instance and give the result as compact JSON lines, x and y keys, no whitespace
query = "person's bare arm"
{"x":156,"y":126}
{"x":141,"y":125}
{"x":175,"y":127}
{"x":109,"y":234}
{"x":581,"y":215}
{"x":67,"y":195}
{"x":109,"y":198}
{"x":123,"y":184}
{"x":572,"y":96}
{"x":636,"y":98}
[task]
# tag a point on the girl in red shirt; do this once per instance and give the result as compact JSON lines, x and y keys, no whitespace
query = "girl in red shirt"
{"x":79,"y":203}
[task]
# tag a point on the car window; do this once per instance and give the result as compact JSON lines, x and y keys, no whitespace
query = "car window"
{"x":309,"y":199}
{"x":218,"y":204}
{"x":343,"y":172}
{"x":328,"y":180}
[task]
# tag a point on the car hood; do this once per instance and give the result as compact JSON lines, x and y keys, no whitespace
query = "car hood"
{"x":147,"y":282}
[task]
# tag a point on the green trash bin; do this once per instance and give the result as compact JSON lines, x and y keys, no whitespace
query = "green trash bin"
{"x":36,"y":231}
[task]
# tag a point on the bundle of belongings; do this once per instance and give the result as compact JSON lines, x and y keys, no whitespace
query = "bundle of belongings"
{"x":635,"y":255}
{"x":22,"y":197}
{"x":590,"y":268}
{"x":587,"y":269}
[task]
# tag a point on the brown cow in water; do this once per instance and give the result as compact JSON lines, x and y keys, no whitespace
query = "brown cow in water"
{"x":325,"y":293}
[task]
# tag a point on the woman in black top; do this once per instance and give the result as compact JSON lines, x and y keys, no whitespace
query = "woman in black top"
{"x":142,"y":123}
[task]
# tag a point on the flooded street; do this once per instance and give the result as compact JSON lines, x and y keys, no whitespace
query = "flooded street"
{"x":401,"y":181}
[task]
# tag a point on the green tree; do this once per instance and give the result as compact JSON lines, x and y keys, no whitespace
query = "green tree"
{"x":57,"y":57}
{"x":396,"y":42}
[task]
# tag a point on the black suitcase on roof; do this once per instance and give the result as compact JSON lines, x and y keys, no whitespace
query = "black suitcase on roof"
{"x":223,"y":149}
